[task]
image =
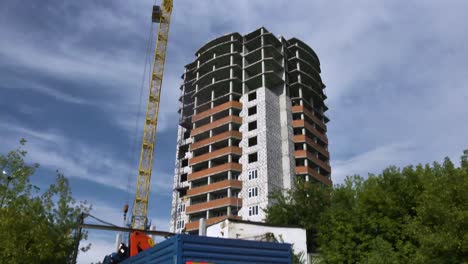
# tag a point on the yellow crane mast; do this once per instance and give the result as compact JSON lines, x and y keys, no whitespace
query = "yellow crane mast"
{"x":161,"y":15}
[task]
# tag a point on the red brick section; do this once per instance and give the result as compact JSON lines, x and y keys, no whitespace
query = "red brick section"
{"x":302,"y":123}
{"x":313,"y":173}
{"x":215,"y":154}
{"x":194,"y":225}
{"x":302,"y":109}
{"x":214,"y":204}
{"x":304,"y":138}
{"x":216,"y":109}
{"x":313,"y":158}
{"x":215,"y":186}
{"x":217,"y":123}
{"x":217,"y":169}
{"x":219,"y":137}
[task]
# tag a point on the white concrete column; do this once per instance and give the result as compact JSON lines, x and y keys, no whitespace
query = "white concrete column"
{"x":263,"y":67}
{"x":212,"y":102}
{"x":244,"y":89}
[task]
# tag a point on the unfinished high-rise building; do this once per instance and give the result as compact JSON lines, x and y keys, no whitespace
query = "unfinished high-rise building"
{"x":252,"y":118}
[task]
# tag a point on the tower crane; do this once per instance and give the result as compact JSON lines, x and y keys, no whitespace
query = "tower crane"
{"x":139,"y":241}
{"x":139,"y":220}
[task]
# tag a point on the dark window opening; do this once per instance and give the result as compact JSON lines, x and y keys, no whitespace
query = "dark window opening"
{"x":183,"y":177}
{"x":252,"y":125}
{"x":299,"y":146}
{"x":297,"y":116}
{"x":186,"y":134}
{"x":300,"y":162}
{"x":252,"y":141}
{"x":253,"y":157}
{"x":252,"y":110}
{"x":252,"y":96}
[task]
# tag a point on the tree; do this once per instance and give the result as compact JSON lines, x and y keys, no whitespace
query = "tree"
{"x":301,"y":206}
{"x":410,"y":215}
{"x":35,"y":226}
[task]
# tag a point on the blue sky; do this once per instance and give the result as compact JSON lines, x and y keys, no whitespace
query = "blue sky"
{"x":71,"y":73}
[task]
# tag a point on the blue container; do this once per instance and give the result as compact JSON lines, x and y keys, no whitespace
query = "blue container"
{"x":183,"y":249}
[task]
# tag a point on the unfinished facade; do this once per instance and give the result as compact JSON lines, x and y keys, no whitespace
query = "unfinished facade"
{"x":251,"y":120}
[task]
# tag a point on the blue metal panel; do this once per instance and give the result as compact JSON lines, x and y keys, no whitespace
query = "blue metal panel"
{"x":182,"y":248}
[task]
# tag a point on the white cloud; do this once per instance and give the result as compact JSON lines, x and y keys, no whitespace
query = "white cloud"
{"x":373,"y":161}
{"x":52,"y":92}
{"x":100,"y":247}
{"x":75,"y":159}
{"x":117,"y":69}
{"x":53,"y":150}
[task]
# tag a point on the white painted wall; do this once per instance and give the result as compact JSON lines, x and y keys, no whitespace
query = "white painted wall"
{"x":231,"y":229}
{"x":261,"y":165}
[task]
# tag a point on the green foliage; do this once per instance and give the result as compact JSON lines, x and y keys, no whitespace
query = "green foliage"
{"x":35,"y":226}
{"x":410,"y":215}
{"x":301,"y":207}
